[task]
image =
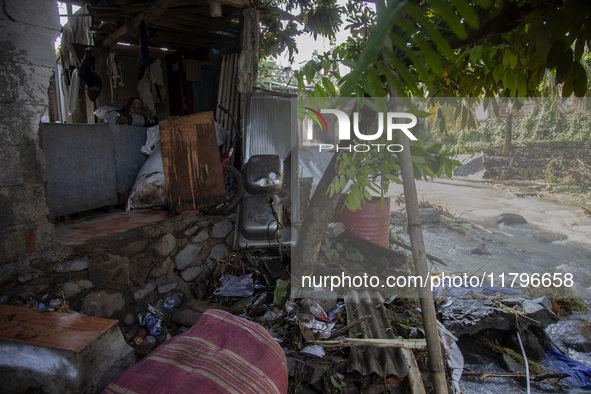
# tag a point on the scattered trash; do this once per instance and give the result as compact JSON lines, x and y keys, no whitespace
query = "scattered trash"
{"x":235,"y":286}
{"x":319,"y":329}
{"x":291,"y":307}
{"x":335,"y":313}
{"x":153,"y":321}
{"x":168,"y":305}
{"x":270,"y":317}
{"x":281,"y":294}
{"x":313,"y":350}
{"x":453,"y":356}
{"x":318,"y":312}
{"x":150,"y":341}
{"x":580,"y":373}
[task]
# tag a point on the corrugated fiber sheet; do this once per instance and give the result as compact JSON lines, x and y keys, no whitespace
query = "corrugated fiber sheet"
{"x":365,"y":359}
{"x":268,"y":126}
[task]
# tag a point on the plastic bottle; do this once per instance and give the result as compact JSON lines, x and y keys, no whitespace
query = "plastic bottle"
{"x":168,"y":305}
{"x":318,"y":312}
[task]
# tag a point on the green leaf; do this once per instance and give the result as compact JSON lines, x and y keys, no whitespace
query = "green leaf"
{"x":328,"y":86}
{"x":414,"y":59}
{"x":568,"y":87}
{"x":435,"y":148}
{"x":555,"y":54}
{"x":448,"y":171}
{"x":446,"y":11}
{"x":419,"y":113}
{"x":372,"y":50}
{"x":432,"y":59}
{"x":579,"y":79}
{"x":402,"y":70}
{"x":431,"y":28}
{"x":498,"y":72}
{"x":579,"y":49}
{"x":428,"y":171}
{"x":564,"y":66}
{"x":513,"y":59}
{"x":521,"y":85}
{"x":337,"y":385}
{"x":467,"y":12}
{"x":509,"y":78}
{"x":476,"y":53}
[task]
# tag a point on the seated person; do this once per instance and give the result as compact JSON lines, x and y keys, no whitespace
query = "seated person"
{"x":132,"y":113}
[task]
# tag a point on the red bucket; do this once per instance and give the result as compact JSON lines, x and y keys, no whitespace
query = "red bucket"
{"x":371,"y":222}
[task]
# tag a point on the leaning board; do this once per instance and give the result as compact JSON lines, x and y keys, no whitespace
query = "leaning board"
{"x":191,"y":162}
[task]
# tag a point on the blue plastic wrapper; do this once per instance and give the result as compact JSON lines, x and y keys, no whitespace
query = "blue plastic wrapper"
{"x":153,"y":322}
{"x":580,"y":373}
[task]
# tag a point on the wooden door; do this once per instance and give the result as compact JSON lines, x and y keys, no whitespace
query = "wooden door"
{"x":191,"y":162}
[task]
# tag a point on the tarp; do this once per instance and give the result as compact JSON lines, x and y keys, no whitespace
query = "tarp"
{"x":580,"y":373}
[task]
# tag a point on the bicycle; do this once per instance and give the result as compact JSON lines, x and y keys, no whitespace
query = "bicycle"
{"x":232,"y":177}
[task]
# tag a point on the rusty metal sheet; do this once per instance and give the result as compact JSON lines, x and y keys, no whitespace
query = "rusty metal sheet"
{"x":365,"y":359}
{"x":191,"y":162}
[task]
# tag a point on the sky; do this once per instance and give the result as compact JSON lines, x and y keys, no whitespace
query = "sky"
{"x":307,"y":45}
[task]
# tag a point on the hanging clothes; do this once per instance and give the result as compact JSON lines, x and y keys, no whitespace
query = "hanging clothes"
{"x":114,"y":70}
{"x":151,"y":87}
{"x":192,"y":70}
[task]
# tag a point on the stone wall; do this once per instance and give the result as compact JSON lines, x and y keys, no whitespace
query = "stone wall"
{"x":28,"y":30}
{"x":119,"y":275}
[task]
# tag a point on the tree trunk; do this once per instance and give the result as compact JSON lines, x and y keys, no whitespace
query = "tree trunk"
{"x":320,"y":210}
{"x":507,"y":146}
{"x":419,"y":255}
{"x":317,"y":216}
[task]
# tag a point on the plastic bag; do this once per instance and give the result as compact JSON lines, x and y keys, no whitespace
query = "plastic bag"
{"x":149,"y":189}
{"x":235,"y":286}
{"x":153,"y":322}
{"x":152,"y":139}
{"x":220,"y":134}
{"x":103,"y":112}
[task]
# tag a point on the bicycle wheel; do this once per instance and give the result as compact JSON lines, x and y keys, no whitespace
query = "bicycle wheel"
{"x":234,"y":191}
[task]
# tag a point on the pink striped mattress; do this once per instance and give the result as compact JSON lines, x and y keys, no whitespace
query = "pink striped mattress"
{"x":221,"y":353}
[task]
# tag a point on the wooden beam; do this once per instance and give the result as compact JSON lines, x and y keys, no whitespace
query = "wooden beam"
{"x":149,"y":14}
{"x":215,"y":8}
{"x":240,"y":4}
{"x":374,"y":342}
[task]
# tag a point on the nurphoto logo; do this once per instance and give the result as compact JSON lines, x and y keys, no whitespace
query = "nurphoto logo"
{"x":394,"y":121}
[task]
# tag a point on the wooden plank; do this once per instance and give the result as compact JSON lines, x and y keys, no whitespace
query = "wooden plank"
{"x":414,"y":374}
{"x":240,"y":4}
{"x":374,"y":342}
{"x":191,"y":162}
{"x":50,"y":329}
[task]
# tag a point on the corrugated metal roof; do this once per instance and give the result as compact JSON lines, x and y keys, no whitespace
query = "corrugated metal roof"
{"x":365,"y":359}
{"x":269,"y":128}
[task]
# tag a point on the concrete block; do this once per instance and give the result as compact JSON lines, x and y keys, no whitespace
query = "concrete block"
{"x":54,"y":368}
{"x":24,"y":83}
{"x":127,"y":141}
{"x":86,"y":148}
{"x":18,"y":47}
{"x":12,"y":242}
{"x":12,"y":173}
{"x":41,"y":13}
